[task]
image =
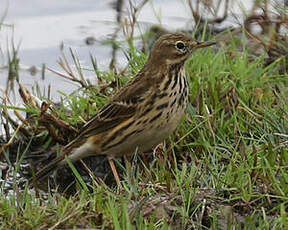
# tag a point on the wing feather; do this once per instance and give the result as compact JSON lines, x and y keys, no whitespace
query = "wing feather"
{"x":121,"y":107}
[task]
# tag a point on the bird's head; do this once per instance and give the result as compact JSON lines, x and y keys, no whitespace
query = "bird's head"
{"x":175,"y":48}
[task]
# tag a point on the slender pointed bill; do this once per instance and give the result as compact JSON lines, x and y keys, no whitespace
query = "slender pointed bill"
{"x":204,"y":44}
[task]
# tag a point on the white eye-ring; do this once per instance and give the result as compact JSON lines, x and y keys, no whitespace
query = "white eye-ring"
{"x":180,"y":46}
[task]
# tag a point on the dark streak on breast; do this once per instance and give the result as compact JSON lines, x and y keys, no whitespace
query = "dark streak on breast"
{"x":170,"y":75}
{"x":175,"y":81}
{"x":173,"y":102}
{"x":180,"y":84}
{"x":181,"y":99}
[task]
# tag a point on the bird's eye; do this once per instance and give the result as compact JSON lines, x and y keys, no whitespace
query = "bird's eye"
{"x":180,"y":46}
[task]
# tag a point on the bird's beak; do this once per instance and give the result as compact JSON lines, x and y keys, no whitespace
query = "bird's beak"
{"x":204,"y":44}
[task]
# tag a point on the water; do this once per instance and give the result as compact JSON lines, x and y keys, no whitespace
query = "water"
{"x":42,"y":27}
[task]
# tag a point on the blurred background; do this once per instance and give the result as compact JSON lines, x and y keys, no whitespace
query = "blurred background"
{"x":41,"y":29}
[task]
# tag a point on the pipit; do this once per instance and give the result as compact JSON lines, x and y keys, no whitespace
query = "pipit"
{"x":143,"y":113}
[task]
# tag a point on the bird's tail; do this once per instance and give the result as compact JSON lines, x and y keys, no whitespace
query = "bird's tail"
{"x":60,"y":159}
{"x":48,"y":169}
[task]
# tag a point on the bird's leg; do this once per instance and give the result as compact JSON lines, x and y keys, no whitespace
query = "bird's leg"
{"x":112,"y":165}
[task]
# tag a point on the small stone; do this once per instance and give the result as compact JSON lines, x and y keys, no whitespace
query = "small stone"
{"x":33,"y":70}
{"x":90,"y":40}
{"x":3,"y":166}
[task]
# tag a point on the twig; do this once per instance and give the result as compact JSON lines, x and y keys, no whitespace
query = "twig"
{"x":199,"y":19}
{"x":114,"y":36}
{"x":64,"y":220}
{"x":10,"y":141}
{"x":134,"y":11}
{"x":67,"y":77}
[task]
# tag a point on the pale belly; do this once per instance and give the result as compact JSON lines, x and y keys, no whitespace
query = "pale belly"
{"x":150,"y":136}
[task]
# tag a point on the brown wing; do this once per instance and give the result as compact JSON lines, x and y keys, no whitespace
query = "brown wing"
{"x":122,"y":106}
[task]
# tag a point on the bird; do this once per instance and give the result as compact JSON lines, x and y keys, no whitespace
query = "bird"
{"x":141,"y":114}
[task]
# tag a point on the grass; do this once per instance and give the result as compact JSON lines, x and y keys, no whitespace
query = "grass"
{"x":224,"y":168}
